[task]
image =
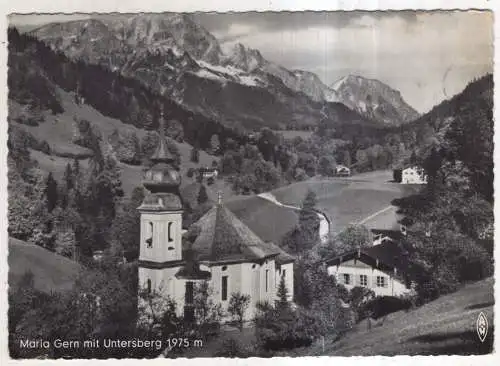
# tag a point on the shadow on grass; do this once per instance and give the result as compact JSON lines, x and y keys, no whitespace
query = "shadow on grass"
{"x":480,"y":305}
{"x":455,"y":343}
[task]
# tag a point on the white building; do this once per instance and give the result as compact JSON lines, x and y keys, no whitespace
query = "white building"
{"x":224,"y":251}
{"x":342,"y":171}
{"x":413,"y":175}
{"x":383,"y":268}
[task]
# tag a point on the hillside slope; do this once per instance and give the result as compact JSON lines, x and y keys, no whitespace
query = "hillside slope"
{"x":52,"y":272}
{"x":444,"y":326}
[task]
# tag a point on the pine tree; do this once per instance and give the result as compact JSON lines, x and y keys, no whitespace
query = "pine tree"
{"x":308,"y":222}
{"x":51,"y":192}
{"x":195,"y":155}
{"x":202,"y":195}
{"x":282,"y":293}
{"x":69,"y":178}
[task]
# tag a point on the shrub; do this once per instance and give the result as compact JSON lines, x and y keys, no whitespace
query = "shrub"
{"x":232,"y":347}
{"x":383,"y":305}
{"x":238,"y":304}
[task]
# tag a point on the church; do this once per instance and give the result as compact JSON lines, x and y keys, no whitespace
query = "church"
{"x":222,"y":251}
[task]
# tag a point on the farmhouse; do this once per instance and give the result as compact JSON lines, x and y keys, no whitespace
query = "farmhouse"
{"x":218,"y":249}
{"x":384,"y":268}
{"x":410,"y":175}
{"x":209,"y":172}
{"x":383,"y":236}
{"x":342,"y":171}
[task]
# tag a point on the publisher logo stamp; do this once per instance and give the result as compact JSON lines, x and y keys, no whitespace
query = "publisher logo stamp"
{"x":482,"y":326}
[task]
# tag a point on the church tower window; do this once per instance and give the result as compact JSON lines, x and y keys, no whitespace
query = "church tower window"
{"x":170,"y":239}
{"x":149,"y":286}
{"x":149,"y":241}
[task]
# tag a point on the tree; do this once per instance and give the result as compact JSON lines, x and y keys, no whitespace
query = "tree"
{"x":51,"y":192}
{"x":69,"y":179}
{"x":195,"y":155}
{"x":207,"y":312}
{"x":354,"y":237}
{"x":346,"y":160}
{"x":202,"y":195}
{"x":282,"y":293}
{"x":127,"y":147}
{"x":238,"y":304}
{"x":214,"y":144}
{"x":326,"y":166}
{"x":175,"y":130}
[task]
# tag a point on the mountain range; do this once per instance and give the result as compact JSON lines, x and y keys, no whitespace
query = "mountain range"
{"x":232,"y":83}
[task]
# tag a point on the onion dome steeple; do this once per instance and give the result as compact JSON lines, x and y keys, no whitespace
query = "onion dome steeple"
{"x":162,"y":154}
{"x":162,"y":180}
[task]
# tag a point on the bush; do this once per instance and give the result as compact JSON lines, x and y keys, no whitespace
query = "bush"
{"x":232,"y":347}
{"x":383,"y":305}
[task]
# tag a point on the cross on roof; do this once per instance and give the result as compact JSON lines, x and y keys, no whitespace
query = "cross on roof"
{"x":162,"y":124}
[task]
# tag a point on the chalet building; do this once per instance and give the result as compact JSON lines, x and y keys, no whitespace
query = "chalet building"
{"x":384,"y":268}
{"x":410,"y":175}
{"x":384,"y":236}
{"x":209,"y":173}
{"x":222,"y":251}
{"x":342,"y":171}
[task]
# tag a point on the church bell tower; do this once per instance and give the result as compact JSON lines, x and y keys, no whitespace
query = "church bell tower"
{"x":161,"y":210}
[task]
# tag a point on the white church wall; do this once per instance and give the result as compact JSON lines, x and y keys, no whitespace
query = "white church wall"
{"x":164,"y":282}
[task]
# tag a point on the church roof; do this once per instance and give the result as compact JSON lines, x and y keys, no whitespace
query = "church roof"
{"x":222,"y":237}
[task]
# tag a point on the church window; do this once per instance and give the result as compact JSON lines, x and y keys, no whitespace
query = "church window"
{"x":149,"y":286}
{"x":224,"y":288}
{"x":224,"y":268}
{"x":149,"y":241}
{"x":283,"y":273}
{"x":170,"y":239}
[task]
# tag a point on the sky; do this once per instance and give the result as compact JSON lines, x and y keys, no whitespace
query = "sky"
{"x":427,"y":56}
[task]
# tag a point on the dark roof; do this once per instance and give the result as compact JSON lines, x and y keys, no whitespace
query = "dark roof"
{"x":393,"y":234}
{"x":389,"y":255}
{"x":283,"y":257}
{"x":224,"y":238}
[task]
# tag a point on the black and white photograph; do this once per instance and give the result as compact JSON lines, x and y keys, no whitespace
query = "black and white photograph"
{"x":250,"y":184}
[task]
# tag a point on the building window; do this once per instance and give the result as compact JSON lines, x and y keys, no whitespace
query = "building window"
{"x":346,"y":278}
{"x":148,"y":285}
{"x":224,"y":288}
{"x":363,"y":280}
{"x":284,"y":273}
{"x":149,"y":241}
{"x":267,"y":280}
{"x":381,"y":282}
{"x":170,"y":239}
